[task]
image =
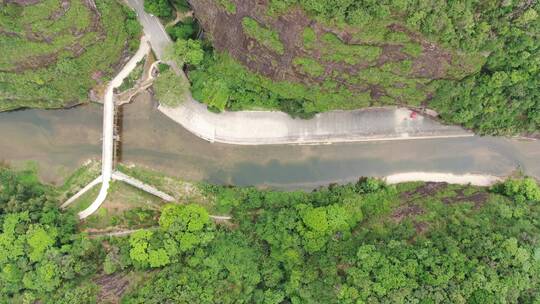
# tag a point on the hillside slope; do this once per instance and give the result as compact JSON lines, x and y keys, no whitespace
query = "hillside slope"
{"x":54,"y":51}
{"x":305,"y":57}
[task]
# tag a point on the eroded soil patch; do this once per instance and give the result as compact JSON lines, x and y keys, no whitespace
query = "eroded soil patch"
{"x":112,"y":287}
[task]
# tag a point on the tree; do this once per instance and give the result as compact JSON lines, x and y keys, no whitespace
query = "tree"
{"x":139,"y":246}
{"x":39,"y":248}
{"x":170,"y":89}
{"x":185,"y":52}
{"x":522,"y":190}
{"x":189,"y":225}
{"x":160,"y":8}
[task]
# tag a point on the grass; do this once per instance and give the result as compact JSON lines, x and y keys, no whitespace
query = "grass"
{"x":228,"y":5}
{"x":170,"y":88}
{"x":53,"y":58}
{"x":412,"y":49}
{"x":84,"y":200}
{"x":184,"y":192}
{"x":335,"y":50}
{"x":126,"y":207}
{"x":78,"y":179}
{"x":266,"y":37}
{"x":132,"y":78}
{"x":309,"y":66}
{"x":309,"y":37}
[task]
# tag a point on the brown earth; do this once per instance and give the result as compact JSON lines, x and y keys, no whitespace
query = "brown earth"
{"x":427,"y":189}
{"x":227,"y":35}
{"x":477,"y":198}
{"x":24,"y":2}
{"x":406,"y":211}
{"x":112,"y":287}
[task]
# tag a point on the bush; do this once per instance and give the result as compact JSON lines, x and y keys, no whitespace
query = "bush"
{"x":170,"y":88}
{"x":266,"y":37}
{"x":521,"y":190}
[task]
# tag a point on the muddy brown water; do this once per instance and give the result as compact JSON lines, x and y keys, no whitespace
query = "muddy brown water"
{"x":59,"y":141}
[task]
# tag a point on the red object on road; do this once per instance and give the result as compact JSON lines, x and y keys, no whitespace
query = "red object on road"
{"x":413,"y":115}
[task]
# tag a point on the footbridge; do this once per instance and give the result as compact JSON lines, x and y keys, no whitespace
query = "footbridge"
{"x":109,"y":143}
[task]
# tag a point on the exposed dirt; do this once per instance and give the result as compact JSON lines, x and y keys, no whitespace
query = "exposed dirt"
{"x":405,"y":211}
{"x":477,"y":198}
{"x":24,"y":2}
{"x":421,"y":227}
{"x":76,"y":48}
{"x":112,"y":287}
{"x":428,"y":189}
{"x":391,"y":53}
{"x":433,"y":61}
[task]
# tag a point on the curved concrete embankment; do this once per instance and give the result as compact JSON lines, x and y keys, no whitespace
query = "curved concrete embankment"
{"x":272,"y":127}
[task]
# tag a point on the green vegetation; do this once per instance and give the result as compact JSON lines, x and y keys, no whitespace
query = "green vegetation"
{"x":170,"y":88}
{"x":366,"y":242}
{"x":264,"y":36}
{"x":309,"y":66}
{"x":186,"y":52}
{"x":223,"y":83}
{"x":335,"y":50}
{"x":43,"y":257}
{"x":52,"y":55}
{"x":309,"y":38}
{"x":132,"y":78}
{"x":185,"y":29}
{"x":228,"y":5}
{"x":125,"y":208}
{"x":159,"y":8}
{"x":374,"y":65}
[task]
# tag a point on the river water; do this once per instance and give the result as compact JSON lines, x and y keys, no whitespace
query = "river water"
{"x":61,"y":140}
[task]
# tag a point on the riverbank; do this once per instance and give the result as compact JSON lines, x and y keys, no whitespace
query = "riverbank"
{"x":440,"y":177}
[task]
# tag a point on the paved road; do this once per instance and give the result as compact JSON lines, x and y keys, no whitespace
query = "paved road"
{"x":265,"y":127}
{"x":153,"y":29}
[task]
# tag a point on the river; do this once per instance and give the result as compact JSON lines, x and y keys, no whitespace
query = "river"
{"x":61,"y":140}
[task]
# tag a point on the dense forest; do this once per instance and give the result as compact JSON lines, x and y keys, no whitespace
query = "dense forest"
{"x":365,"y":242}
{"x":54,"y":52}
{"x":475,"y":62}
